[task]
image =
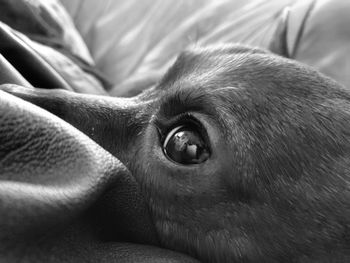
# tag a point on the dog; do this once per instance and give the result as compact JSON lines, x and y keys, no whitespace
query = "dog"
{"x":242,"y":155}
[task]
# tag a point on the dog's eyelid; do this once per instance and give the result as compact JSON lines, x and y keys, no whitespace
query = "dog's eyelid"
{"x":163,"y":123}
{"x":181,"y":102}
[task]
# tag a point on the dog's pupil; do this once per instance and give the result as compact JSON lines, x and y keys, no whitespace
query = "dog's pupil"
{"x":186,"y":146}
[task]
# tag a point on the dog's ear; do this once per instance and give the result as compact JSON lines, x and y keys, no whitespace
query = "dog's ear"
{"x":279,"y":43}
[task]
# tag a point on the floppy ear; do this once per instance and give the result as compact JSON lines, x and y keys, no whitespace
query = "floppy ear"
{"x":51,"y":175}
{"x":279,"y":43}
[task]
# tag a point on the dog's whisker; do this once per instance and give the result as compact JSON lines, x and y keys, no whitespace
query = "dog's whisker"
{"x":223,"y":89}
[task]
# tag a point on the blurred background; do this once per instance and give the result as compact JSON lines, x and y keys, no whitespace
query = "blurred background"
{"x":119,"y":48}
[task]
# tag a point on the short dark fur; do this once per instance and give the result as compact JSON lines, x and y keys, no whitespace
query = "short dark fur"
{"x":277,"y":185}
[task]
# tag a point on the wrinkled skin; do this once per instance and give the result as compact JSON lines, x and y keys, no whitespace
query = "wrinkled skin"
{"x":276,"y":187}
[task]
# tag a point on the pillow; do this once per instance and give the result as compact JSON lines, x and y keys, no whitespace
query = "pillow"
{"x":133,"y":42}
{"x":325,"y":40}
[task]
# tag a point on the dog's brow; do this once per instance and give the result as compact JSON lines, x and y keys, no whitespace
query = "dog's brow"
{"x":222,"y":89}
{"x":192,"y":100}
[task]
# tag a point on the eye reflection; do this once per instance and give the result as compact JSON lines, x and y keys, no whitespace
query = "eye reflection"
{"x":185,"y":145}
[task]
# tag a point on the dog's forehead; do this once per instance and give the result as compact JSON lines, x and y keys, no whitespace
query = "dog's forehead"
{"x":200,"y":66}
{"x":250,"y":70}
{"x":221,"y":81}
{"x":208,"y":75}
{"x":223,"y":67}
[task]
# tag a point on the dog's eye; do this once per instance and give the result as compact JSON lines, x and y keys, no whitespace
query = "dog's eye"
{"x":185,"y":145}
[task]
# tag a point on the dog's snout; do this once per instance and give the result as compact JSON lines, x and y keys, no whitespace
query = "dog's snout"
{"x":113,"y":123}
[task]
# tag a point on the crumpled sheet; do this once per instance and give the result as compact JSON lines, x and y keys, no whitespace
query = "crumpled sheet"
{"x":123,"y":47}
{"x":133,"y":42}
{"x":40,"y":47}
{"x":44,"y":21}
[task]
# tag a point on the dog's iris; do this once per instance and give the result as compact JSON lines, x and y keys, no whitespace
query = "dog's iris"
{"x":185,"y":145}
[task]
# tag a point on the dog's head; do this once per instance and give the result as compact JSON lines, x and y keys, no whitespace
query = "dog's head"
{"x":242,"y":156}
{"x":245,"y":156}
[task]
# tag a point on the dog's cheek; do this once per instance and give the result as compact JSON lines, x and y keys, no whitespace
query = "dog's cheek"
{"x":195,"y":211}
